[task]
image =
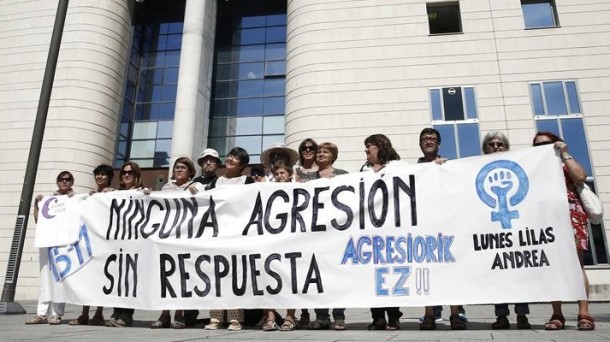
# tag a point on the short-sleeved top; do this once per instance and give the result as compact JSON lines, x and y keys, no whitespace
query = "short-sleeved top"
{"x":172,"y":186}
{"x":224,"y":181}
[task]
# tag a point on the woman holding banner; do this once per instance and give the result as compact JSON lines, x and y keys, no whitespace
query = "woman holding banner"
{"x":306,"y":167}
{"x":235,"y":162}
{"x":183,"y":173}
{"x":131,"y":179}
{"x":495,"y":142}
{"x":574,"y":175}
{"x":65,"y":180}
{"x":102,"y":175}
{"x":379,"y":154}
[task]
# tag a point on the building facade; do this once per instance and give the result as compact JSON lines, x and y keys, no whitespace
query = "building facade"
{"x":151,"y":81}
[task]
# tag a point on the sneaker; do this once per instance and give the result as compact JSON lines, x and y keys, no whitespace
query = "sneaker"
{"x":55,"y":320}
{"x":234,"y":325}
{"x":214,"y":323}
{"x":37,"y":320}
{"x":438,"y":318}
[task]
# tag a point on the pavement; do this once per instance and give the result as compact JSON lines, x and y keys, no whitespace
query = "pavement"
{"x":13,"y":328}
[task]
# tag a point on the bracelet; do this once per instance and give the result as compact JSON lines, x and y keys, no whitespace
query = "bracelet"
{"x":567,"y":158}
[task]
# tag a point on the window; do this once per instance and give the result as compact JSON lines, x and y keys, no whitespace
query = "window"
{"x":248,"y":92}
{"x":150,"y":93}
{"x":557,"y":109}
{"x":444,"y":17}
{"x":539,"y":13}
{"x":454,"y":115}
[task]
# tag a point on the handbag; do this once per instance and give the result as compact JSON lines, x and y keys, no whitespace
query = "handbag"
{"x":591,"y":203}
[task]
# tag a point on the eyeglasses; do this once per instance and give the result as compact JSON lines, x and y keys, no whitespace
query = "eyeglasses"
{"x":495,"y":144}
{"x":308,"y":148}
{"x":64,"y":179}
{"x":548,"y":142}
{"x":256,"y":175}
{"x":128,"y":173}
{"x":180,"y":167}
{"x":430,"y":139}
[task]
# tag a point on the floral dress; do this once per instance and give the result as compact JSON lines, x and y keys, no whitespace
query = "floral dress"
{"x":578,"y":216}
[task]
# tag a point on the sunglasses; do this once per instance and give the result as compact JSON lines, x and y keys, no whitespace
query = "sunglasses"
{"x":495,"y":144}
{"x":256,"y":174}
{"x":66,"y":179}
{"x":128,"y":173}
{"x":540,"y":143}
{"x":308,"y":148}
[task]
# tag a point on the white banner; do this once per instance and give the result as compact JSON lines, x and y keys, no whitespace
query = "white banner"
{"x":488,"y":229}
{"x":58,"y":220}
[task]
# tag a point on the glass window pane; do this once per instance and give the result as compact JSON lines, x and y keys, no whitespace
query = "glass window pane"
{"x":275,"y":87}
{"x":166,"y":111}
{"x":471,"y":105}
{"x":537,"y":99}
{"x":573,"y":98}
{"x":549,"y":125}
{"x":448,"y":146}
{"x":435,"y":104}
{"x":275,"y":52}
{"x":170,"y":76}
{"x":249,"y":143}
{"x":251,"y":71}
{"x":555,"y":99}
{"x":270,"y":140}
{"x":538,"y":14}
{"x":224,"y":72}
{"x":276,"y":34}
{"x":256,"y":21}
{"x":273,"y":125}
{"x":453,"y":104}
{"x":469,"y":140}
{"x":249,"y":107}
{"x":276,"y":19}
{"x":168,"y":92}
{"x":124,"y":130}
{"x":250,"y":36}
{"x":174,"y":41}
{"x":175,"y":27}
{"x":165,"y":129}
{"x":248,"y":125}
{"x":251,"y":53}
{"x":574,"y":135}
{"x":143,"y":149}
{"x":160,"y":43}
{"x":220,"y":128}
{"x":275,"y":68}
{"x":444,"y":18}
{"x":144,"y":162}
{"x":274,"y":105}
{"x":251,"y":88}
{"x":144,"y":130}
{"x":223,"y":108}
{"x":225,"y":89}
{"x":172,"y":58}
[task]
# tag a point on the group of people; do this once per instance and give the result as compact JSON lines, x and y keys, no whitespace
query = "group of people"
{"x":314,"y":161}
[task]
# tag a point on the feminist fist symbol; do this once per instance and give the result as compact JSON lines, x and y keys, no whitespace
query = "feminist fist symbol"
{"x":499,"y":174}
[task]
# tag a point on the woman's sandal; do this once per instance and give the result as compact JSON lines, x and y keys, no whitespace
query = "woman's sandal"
{"x":81,"y":320}
{"x":378,"y":324}
{"x":457,"y":323}
{"x":288,"y":325}
{"x":270,"y":325}
{"x":160,"y":325}
{"x":557,"y":322}
{"x":586,"y":323}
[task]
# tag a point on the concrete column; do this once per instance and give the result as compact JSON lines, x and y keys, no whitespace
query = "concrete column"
{"x":194,"y":79}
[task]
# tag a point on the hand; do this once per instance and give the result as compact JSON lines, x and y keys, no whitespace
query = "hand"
{"x":108,"y":189}
{"x":561,"y":146}
{"x":193,"y":189}
{"x":91,"y":192}
{"x":39,"y":198}
{"x":146,"y":191}
{"x":440,"y":161}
